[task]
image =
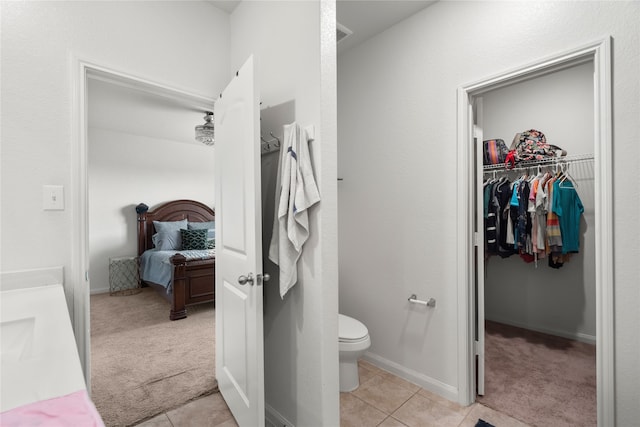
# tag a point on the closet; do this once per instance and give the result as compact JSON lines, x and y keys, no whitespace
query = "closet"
{"x":528,"y":292}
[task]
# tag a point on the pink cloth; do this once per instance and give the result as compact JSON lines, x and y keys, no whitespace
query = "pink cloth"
{"x":75,"y":409}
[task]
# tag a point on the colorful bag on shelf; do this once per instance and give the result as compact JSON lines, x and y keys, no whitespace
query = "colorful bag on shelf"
{"x":495,"y":152}
{"x":531,"y":145}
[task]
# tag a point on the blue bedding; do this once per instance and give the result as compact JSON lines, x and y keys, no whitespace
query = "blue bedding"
{"x":155,"y":265}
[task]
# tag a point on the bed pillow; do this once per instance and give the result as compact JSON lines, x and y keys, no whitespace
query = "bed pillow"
{"x":167,"y":235}
{"x":194,"y":239}
{"x":210,"y":226}
{"x":167,"y":240}
{"x":161,"y":226}
{"x":211,"y":243}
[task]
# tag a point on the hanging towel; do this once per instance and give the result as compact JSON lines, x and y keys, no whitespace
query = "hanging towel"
{"x":298,"y":192}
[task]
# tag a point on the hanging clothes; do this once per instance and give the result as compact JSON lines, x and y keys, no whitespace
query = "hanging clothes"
{"x":535,"y":217}
{"x":568,"y":206}
{"x":554,"y":235}
{"x":524,"y":222}
{"x":499,"y":196}
{"x":512,"y":232}
{"x":298,"y":192}
{"x":541,"y":209}
{"x":537,"y":214}
{"x":490,"y":220}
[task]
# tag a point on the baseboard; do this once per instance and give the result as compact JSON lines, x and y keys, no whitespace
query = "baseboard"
{"x":438,"y":387}
{"x":95,"y":291}
{"x":274,"y":418}
{"x":576,"y":336}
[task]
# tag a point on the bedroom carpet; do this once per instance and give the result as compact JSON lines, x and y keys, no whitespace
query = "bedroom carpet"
{"x":136,"y":372}
{"x":540,"y":379}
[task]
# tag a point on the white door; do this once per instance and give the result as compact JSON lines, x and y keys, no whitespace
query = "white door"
{"x":479,"y":246}
{"x":239,"y":333}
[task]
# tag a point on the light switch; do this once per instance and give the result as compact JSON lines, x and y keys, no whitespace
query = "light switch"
{"x":53,"y":197}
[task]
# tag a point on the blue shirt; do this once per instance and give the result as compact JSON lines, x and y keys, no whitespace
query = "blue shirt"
{"x":568,"y":206}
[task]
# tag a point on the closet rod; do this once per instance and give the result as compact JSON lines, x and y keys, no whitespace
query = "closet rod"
{"x":547,"y":162}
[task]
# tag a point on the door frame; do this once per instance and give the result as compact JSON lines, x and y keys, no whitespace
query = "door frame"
{"x":599,"y":52}
{"x":83,"y":69}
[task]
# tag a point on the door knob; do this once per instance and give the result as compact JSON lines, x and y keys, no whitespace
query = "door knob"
{"x":263,"y":278}
{"x":243,"y":280}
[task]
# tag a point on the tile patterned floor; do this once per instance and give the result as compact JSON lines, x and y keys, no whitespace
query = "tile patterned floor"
{"x":382,"y":400}
{"x":207,"y":411}
{"x":385,"y":400}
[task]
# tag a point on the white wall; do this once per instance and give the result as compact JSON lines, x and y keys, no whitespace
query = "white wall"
{"x":301,"y":350}
{"x":125,"y":170}
{"x":558,"y":301}
{"x":397,"y":155}
{"x":185,"y":45}
{"x":38,"y":42}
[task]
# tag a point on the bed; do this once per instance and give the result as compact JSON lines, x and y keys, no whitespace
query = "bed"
{"x":182,"y":274}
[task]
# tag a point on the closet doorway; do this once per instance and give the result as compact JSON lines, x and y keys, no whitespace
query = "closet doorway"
{"x":486,"y":294}
{"x":539,"y":307}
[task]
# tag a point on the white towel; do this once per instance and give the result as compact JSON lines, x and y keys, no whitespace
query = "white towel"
{"x":298,"y":192}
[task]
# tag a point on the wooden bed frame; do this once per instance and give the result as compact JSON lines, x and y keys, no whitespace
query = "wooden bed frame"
{"x":193,"y":281}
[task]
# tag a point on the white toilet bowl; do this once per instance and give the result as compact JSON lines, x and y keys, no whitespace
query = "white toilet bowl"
{"x":353,"y":342}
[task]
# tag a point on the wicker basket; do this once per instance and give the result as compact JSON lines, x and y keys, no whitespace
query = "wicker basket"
{"x":123,"y":276}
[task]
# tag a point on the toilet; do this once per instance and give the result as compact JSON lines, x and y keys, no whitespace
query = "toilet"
{"x":353,"y":342}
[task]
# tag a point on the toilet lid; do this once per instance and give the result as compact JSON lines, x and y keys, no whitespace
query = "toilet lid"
{"x":350,"y":329}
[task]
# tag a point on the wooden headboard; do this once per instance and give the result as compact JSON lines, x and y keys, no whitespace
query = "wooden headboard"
{"x":175,"y":210}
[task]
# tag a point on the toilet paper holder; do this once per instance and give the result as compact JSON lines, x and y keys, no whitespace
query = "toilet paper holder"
{"x":414,"y":299}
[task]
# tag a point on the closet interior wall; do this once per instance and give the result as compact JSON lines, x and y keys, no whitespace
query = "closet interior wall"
{"x":272,"y":121}
{"x":556,"y":301}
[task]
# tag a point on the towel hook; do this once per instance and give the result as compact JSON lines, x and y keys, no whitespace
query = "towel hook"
{"x":277,"y":139}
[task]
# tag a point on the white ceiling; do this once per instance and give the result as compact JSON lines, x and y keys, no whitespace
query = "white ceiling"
{"x":366,"y":18}
{"x":133,"y":111}
{"x":128,"y":110}
{"x":226,"y":5}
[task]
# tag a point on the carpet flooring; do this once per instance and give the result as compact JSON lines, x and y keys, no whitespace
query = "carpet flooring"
{"x":539,"y":379}
{"x":143,"y":364}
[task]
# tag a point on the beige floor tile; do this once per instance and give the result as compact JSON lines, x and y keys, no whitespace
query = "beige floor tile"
{"x":365,"y":372}
{"x":369,"y":366}
{"x":391,"y":422}
{"x":444,"y":402}
{"x":383,"y":394}
{"x":400,"y":381}
{"x":228,"y":423}
{"x":158,"y":421}
{"x":356,"y":413}
{"x":420,"y":411}
{"x":496,"y":418}
{"x":383,"y":400}
{"x":208,"y":411}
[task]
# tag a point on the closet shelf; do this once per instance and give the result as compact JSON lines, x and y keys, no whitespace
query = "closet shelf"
{"x":552,"y":161}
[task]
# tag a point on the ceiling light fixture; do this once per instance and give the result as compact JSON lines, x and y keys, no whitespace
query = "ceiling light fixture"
{"x":204,"y":133}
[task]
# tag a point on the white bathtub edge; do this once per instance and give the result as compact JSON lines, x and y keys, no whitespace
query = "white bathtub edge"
{"x":21,"y":279}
